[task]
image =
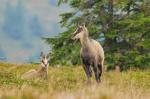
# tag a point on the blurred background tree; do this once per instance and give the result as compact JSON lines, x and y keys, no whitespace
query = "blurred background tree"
{"x":121,"y":26}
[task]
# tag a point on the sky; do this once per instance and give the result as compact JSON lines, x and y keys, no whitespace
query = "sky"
{"x":22,"y":25}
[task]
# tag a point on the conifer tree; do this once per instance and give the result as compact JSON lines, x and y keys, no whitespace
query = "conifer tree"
{"x":121,"y":26}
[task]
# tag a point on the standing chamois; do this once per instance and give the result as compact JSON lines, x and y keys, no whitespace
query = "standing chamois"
{"x":42,"y":72}
{"x":91,"y":53}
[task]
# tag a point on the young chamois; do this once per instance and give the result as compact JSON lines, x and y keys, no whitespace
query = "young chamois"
{"x":41,"y":72}
{"x":91,"y":53}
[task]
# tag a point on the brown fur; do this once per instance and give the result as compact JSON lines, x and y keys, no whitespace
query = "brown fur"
{"x":42,"y":72}
{"x":91,"y":53}
{"x":31,"y":74}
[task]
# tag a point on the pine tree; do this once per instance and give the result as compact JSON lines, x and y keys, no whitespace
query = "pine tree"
{"x":121,"y":26}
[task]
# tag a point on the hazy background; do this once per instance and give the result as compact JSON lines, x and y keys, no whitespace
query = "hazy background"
{"x":23,"y":23}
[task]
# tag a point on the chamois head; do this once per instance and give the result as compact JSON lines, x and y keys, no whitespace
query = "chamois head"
{"x":44,"y":60}
{"x":80,"y":32}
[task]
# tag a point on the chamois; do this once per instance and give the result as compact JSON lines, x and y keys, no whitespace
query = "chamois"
{"x":91,"y":53}
{"x":41,"y":72}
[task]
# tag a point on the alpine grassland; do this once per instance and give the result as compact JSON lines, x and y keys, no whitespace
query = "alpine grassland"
{"x":66,"y":82}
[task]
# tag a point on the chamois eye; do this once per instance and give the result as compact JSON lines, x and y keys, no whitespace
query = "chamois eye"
{"x":79,"y":30}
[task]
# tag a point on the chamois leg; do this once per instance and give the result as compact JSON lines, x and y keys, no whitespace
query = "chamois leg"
{"x":88,"y":72}
{"x":100,"y":70}
{"x":46,"y":75}
{"x":96,"y":72}
{"x":46,"y":72}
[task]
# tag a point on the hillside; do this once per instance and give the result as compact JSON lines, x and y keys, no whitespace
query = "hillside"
{"x":69,"y":83}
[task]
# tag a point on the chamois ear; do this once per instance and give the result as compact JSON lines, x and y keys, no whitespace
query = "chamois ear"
{"x":48,"y":56}
{"x":83,"y":25}
{"x":41,"y":55}
{"x":78,"y":26}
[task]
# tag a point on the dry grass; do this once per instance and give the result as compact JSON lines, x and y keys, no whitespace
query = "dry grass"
{"x":69,"y":83}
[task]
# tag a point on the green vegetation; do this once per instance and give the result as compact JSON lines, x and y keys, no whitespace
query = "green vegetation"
{"x":121,"y":26}
{"x":66,"y":82}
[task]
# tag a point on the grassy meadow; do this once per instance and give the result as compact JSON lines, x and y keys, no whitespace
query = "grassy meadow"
{"x":69,"y":83}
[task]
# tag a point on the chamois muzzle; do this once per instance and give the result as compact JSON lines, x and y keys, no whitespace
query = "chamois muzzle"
{"x":78,"y":30}
{"x":73,"y":35}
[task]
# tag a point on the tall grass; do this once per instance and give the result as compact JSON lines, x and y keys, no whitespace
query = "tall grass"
{"x":69,"y":83}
